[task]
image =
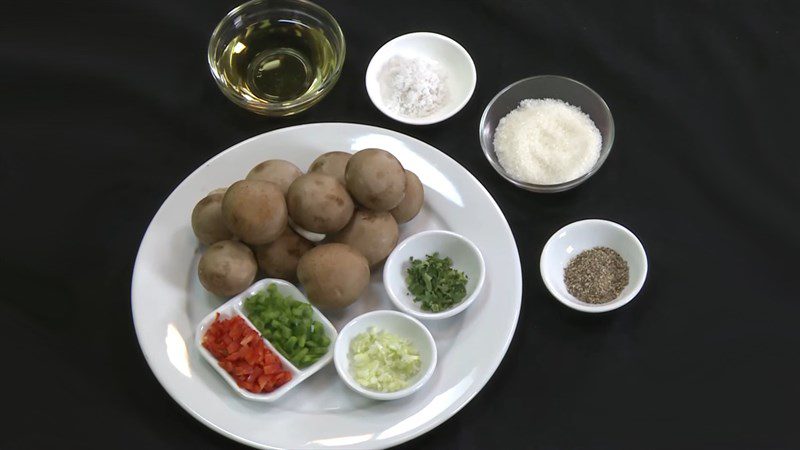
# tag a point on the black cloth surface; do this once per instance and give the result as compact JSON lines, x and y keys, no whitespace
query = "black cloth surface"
{"x":107,"y":106}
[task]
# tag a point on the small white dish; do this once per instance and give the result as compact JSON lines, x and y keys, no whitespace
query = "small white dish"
{"x":396,"y":323}
{"x":235,"y":306}
{"x":466,"y":258}
{"x":576,"y":237}
{"x":452,"y":58}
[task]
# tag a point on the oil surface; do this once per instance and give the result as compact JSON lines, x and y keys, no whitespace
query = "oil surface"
{"x":276,"y":61}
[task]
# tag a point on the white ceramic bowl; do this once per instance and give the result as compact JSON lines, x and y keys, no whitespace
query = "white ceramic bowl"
{"x":453,"y":59}
{"x":396,"y":323}
{"x":235,"y":306}
{"x":466,"y":258}
{"x":576,"y":237}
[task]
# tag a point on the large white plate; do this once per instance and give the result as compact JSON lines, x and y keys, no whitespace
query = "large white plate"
{"x":168,"y":301}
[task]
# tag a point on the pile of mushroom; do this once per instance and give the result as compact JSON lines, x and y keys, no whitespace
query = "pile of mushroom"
{"x":349,"y":205}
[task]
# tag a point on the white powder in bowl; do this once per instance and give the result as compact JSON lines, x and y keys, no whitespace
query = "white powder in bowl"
{"x":547,"y":141}
{"x":413,"y":87}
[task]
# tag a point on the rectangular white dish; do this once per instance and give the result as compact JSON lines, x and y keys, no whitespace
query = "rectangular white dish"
{"x":234,"y":307}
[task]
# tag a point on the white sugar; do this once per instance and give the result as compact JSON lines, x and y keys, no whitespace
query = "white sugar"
{"x":547,"y":141}
{"x":413,"y":87}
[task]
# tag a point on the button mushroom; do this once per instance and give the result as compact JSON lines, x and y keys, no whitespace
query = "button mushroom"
{"x":375,"y":179}
{"x":279,"y":258}
{"x":227,"y":268}
{"x":319,"y":203}
{"x":333,"y":275}
{"x":276,"y":171}
{"x":207,"y":222}
{"x":373,"y":234}
{"x":255,"y":211}
{"x":331,"y":163}
{"x":411,"y":204}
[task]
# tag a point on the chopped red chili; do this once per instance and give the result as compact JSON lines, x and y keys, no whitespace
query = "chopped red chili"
{"x":240,"y":350}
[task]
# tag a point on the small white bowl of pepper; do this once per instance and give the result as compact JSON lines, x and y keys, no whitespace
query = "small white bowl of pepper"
{"x":593,"y":265}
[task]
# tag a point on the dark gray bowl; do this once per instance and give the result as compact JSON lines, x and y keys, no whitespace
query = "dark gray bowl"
{"x":546,"y":86}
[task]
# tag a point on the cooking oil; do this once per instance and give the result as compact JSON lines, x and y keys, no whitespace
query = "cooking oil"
{"x":276,"y":61}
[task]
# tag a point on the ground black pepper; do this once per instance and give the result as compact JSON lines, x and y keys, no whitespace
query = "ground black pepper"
{"x":597,"y":275}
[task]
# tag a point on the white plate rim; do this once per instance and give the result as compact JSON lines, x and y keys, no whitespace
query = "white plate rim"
{"x":455,"y":407}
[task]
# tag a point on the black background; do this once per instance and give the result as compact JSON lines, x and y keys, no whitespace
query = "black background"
{"x":108,"y":106}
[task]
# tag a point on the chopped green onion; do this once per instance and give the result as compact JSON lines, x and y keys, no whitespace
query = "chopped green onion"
{"x":383,"y":361}
{"x":435,"y":283}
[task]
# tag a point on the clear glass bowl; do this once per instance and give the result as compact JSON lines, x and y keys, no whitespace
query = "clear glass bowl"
{"x":258,"y":11}
{"x":546,"y":86}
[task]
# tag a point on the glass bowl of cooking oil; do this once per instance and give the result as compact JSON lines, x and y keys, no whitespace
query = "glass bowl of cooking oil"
{"x":276,"y":57}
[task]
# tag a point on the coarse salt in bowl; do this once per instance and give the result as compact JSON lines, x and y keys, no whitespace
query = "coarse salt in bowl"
{"x":546,"y":87}
{"x":448,"y":57}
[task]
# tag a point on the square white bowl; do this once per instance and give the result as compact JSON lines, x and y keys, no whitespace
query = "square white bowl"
{"x":234,"y":307}
{"x":576,"y":237}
